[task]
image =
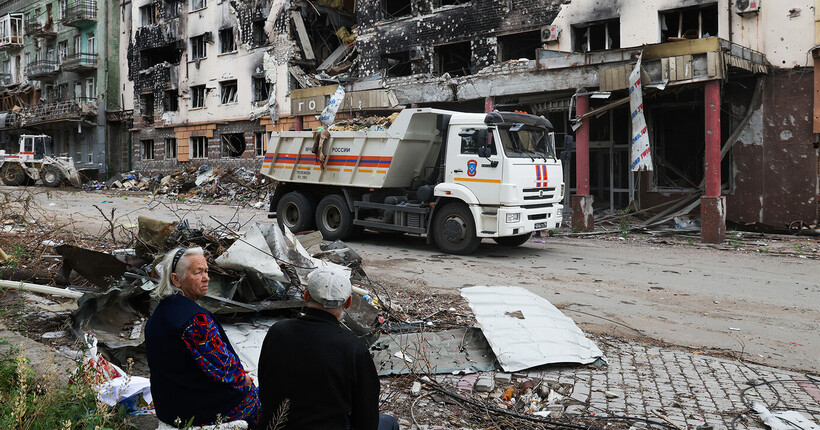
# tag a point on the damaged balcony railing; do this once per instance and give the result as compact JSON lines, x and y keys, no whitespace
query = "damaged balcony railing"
{"x":38,"y":29}
{"x":69,"y":110}
{"x":80,"y":13}
{"x":42,"y":69}
{"x":79,"y":62}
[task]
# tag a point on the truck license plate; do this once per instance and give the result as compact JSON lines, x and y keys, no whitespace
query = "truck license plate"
{"x":540,"y":225}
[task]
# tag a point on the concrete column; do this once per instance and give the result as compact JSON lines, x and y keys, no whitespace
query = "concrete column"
{"x":489,"y":104}
{"x":582,"y":215}
{"x":297,"y":125}
{"x":712,"y":204}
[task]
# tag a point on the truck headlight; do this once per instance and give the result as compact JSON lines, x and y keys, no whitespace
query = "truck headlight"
{"x":511,"y":218}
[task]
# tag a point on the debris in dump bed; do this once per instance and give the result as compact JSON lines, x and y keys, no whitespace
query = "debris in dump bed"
{"x":373,"y":123}
{"x":526,"y":330}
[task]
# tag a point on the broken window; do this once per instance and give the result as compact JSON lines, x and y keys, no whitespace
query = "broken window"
{"x":227,"y":43}
{"x":147,"y":150}
{"x":395,"y":8}
{"x":172,"y":8}
{"x":165,"y":54}
{"x":62,"y":50}
{"x":170,"y":101}
{"x":259,"y":143}
{"x":260,"y":38}
{"x":676,"y":123}
{"x":397,"y":64}
{"x":170,"y":148}
{"x":198,"y":4}
{"x":228,"y":92}
{"x":597,"y":36}
{"x":197,"y":96}
{"x":519,"y":45}
{"x":689,"y":23}
{"x":148,"y":14}
{"x":261,"y":89}
{"x":147,"y":106}
{"x":453,"y":59}
{"x":440,"y":3}
{"x":233,"y":145}
{"x":199,"y":147}
{"x":198,"y":47}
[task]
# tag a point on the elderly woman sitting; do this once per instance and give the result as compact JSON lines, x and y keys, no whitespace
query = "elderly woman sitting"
{"x":196,"y":376}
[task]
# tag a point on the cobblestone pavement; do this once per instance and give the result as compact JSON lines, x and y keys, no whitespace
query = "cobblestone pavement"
{"x":688,"y":388}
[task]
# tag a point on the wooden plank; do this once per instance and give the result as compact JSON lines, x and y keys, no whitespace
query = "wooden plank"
{"x":712,"y":64}
{"x":299,"y":75}
{"x":683,"y":47}
{"x":664,"y":68}
{"x":688,"y":67}
{"x":333,"y":58}
{"x":673,"y":70}
{"x":303,"y":36}
{"x":324,"y":90}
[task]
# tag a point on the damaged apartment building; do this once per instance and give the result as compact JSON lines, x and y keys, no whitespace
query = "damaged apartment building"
{"x":727,"y":93}
{"x":197,"y":73}
{"x":58,"y":66}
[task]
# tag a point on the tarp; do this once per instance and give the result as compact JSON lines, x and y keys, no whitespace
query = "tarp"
{"x":525,"y":330}
{"x":641,"y":156}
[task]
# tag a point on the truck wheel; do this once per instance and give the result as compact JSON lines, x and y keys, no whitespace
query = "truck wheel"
{"x":454,"y":230}
{"x":295,"y":212}
{"x":333,"y":218}
{"x":52,"y":177}
{"x":513,"y":241}
{"x":13,"y":174}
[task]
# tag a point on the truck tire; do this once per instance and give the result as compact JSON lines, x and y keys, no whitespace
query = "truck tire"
{"x":513,"y":241}
{"x":295,"y":212}
{"x":51,"y":176}
{"x":13,"y":174}
{"x":454,"y":230}
{"x":333,"y":218}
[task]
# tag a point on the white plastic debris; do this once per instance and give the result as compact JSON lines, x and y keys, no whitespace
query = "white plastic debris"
{"x":525,"y":330}
{"x":784,"y":420}
{"x":252,"y":252}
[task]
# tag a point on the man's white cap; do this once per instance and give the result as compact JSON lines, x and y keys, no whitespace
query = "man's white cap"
{"x":330,"y":288}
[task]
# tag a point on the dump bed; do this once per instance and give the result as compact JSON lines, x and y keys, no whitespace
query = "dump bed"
{"x":374,"y":159}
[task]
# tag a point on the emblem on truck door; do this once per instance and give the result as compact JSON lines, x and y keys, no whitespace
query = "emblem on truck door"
{"x":472,"y":167}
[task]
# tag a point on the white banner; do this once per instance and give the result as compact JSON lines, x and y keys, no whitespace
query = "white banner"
{"x":641,"y":156}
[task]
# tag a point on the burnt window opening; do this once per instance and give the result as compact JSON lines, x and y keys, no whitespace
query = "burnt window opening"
{"x":325,"y":31}
{"x":147,"y":149}
{"x":597,"y":36}
{"x":396,"y":8}
{"x":259,"y":144}
{"x":170,"y":148}
{"x":197,"y":96}
{"x":397,"y":64}
{"x":148,"y":14}
{"x":519,"y":45}
{"x":689,"y":23}
{"x":170,"y":101}
{"x":233,"y":145}
{"x":227,"y":92}
{"x":199,"y":147}
{"x":165,"y":54}
{"x":453,"y":59}
{"x":199,"y":47}
{"x":147,"y":107}
{"x":227,"y":43}
{"x":442,"y":3}
{"x":260,"y":38}
{"x":261,"y":89}
{"x":172,"y":9}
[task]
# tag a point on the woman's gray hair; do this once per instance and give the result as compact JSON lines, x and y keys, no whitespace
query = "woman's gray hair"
{"x":166,"y":287}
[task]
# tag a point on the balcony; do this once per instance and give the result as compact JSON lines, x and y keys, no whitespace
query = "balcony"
{"x":37,"y":29}
{"x":79,"y":62}
{"x":63,"y":111}
{"x":42,"y":70}
{"x":11,"y":32}
{"x":80,"y":14}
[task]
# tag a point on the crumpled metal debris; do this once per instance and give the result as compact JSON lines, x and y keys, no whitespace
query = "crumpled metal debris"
{"x":98,"y":267}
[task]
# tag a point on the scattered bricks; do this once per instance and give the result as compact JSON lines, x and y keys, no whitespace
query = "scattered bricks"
{"x":580,"y":393}
{"x":485,"y":383}
{"x":466,"y":383}
{"x":610,"y":394}
{"x":575,"y":410}
{"x":415,"y":390}
{"x":503,"y":378}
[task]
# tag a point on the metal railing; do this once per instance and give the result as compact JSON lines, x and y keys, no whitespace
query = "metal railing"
{"x":79,"y":61}
{"x":34,"y":28}
{"x":77,"y":108}
{"x":80,"y":11}
{"x":41,"y":68}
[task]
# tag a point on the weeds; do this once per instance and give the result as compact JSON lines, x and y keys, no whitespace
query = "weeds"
{"x":623,"y":223}
{"x":29,"y":401}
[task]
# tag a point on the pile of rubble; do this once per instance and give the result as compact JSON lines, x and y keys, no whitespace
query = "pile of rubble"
{"x":203,"y":182}
{"x":372,"y":123}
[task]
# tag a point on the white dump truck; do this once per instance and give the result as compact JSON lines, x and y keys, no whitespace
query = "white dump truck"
{"x":454,"y":177}
{"x":30,"y":164}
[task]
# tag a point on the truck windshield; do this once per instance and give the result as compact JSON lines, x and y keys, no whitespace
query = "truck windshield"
{"x":527,"y":142}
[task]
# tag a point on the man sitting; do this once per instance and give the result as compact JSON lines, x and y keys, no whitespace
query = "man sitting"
{"x":316,"y":374}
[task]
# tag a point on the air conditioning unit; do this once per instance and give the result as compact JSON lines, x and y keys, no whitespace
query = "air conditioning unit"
{"x":747,"y":6}
{"x":416,"y":53}
{"x":550,"y":33}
